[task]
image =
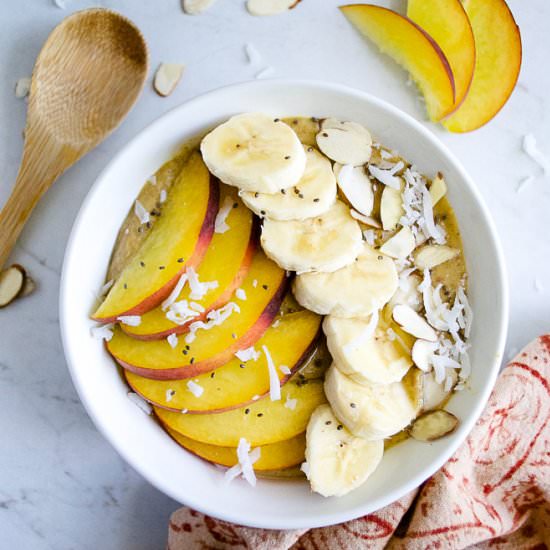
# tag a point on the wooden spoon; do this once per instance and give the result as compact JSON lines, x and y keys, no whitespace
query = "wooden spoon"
{"x":85,"y":80}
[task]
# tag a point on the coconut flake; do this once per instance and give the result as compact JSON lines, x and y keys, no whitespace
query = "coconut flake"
{"x":274,"y":384}
{"x":241,"y":294}
{"x":305,"y":468}
{"x":130,"y":320}
{"x":196,"y":307}
{"x":247,"y":354}
{"x":180,"y":313}
{"x":184,"y":411}
{"x":22,"y":87}
{"x":140,"y":402}
{"x":253,"y":56}
{"x":176,"y":291}
{"x":291,"y":403}
{"x":367,"y":333}
{"x":254,"y":283}
{"x":265,"y":72}
{"x":387,"y":177}
{"x":163,"y":196}
{"x":194,"y":388}
{"x":198,"y":289}
{"x":220,"y":225}
{"x":215,"y":317}
{"x":170,"y":394}
{"x":433,"y":231}
{"x":105,"y":288}
{"x":152,"y":179}
{"x":276,"y":323}
{"x":370,"y":236}
{"x":284,"y":369}
{"x":468,"y":312}
{"x":529,"y":145}
{"x":172,"y":339}
{"x":246,"y":460}
{"x":141,"y":213}
{"x":102,"y":332}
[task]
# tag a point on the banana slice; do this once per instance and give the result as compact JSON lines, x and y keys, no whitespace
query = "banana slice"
{"x":254,"y":152}
{"x":337,"y":461}
{"x":345,"y":142}
{"x":366,"y":354}
{"x":324,"y":243}
{"x":373,"y":411}
{"x":357,"y":290}
{"x":313,"y":195}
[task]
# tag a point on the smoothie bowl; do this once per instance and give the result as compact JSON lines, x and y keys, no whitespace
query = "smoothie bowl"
{"x":302,"y":290}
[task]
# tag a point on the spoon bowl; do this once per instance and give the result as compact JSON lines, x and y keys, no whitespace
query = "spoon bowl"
{"x":86,"y":78}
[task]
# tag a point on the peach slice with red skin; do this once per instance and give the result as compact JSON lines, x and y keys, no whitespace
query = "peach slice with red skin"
{"x":260,"y":423}
{"x":290,"y":341}
{"x":498,"y":62}
{"x":411,"y":47}
{"x":226,"y":261}
{"x":274,"y":456}
{"x":265,"y":286}
{"x":178,"y":240}
{"x":447,"y":23}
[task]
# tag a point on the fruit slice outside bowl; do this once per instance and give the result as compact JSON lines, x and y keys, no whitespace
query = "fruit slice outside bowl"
{"x":140,"y":440}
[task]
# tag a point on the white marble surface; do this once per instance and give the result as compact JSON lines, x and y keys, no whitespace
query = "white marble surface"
{"x":61,"y":485}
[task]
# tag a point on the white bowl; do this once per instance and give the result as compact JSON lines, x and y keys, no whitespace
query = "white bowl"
{"x":142,"y":443}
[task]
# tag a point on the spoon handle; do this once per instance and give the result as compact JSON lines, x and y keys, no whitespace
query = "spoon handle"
{"x":43,"y":161}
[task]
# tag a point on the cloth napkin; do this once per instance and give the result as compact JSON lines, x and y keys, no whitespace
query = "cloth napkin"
{"x":494,"y":493}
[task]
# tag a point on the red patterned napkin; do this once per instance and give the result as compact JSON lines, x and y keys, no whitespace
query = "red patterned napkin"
{"x":493,"y":493}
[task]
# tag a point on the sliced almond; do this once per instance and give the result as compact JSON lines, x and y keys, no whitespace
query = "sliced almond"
{"x":194,"y":7}
{"x":29,"y":286}
{"x":413,"y":323}
{"x":356,"y":186}
{"x":438,"y":188}
{"x":11,"y":284}
{"x":270,"y":7}
{"x":387,"y":176}
{"x":391,"y":208}
{"x":422,"y":352}
{"x":22,"y":87}
{"x":434,"y":394}
{"x":433,"y":425}
{"x":367,"y":220}
{"x":167,"y":77}
{"x":345,"y":142}
{"x":433,"y":255}
{"x":400,"y":245}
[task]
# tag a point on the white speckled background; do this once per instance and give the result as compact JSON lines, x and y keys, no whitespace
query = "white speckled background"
{"x":61,"y":484}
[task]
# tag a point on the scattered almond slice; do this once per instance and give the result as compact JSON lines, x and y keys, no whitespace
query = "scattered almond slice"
{"x":22,"y":87}
{"x":29,"y":286}
{"x":11,"y":284}
{"x":438,"y":188}
{"x":270,"y":7}
{"x":344,"y":142}
{"x":391,"y":208}
{"x":413,"y":323}
{"x":400,"y":245}
{"x":433,"y":425}
{"x":435,"y":394}
{"x":356,"y":186}
{"x":422,"y":352}
{"x":367,"y":220}
{"x":167,"y":77}
{"x":194,"y":7}
{"x":432,"y":255}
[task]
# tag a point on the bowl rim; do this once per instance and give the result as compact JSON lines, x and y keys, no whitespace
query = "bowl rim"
{"x":482,"y":397}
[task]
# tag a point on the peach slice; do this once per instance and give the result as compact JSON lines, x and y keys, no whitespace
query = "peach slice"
{"x":177,"y":241}
{"x":412,"y":48}
{"x":447,"y":23}
{"x":227,"y":260}
{"x":261,"y":423}
{"x":290,"y":341}
{"x":274,"y":456}
{"x":498,"y":61}
{"x":264,"y":288}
